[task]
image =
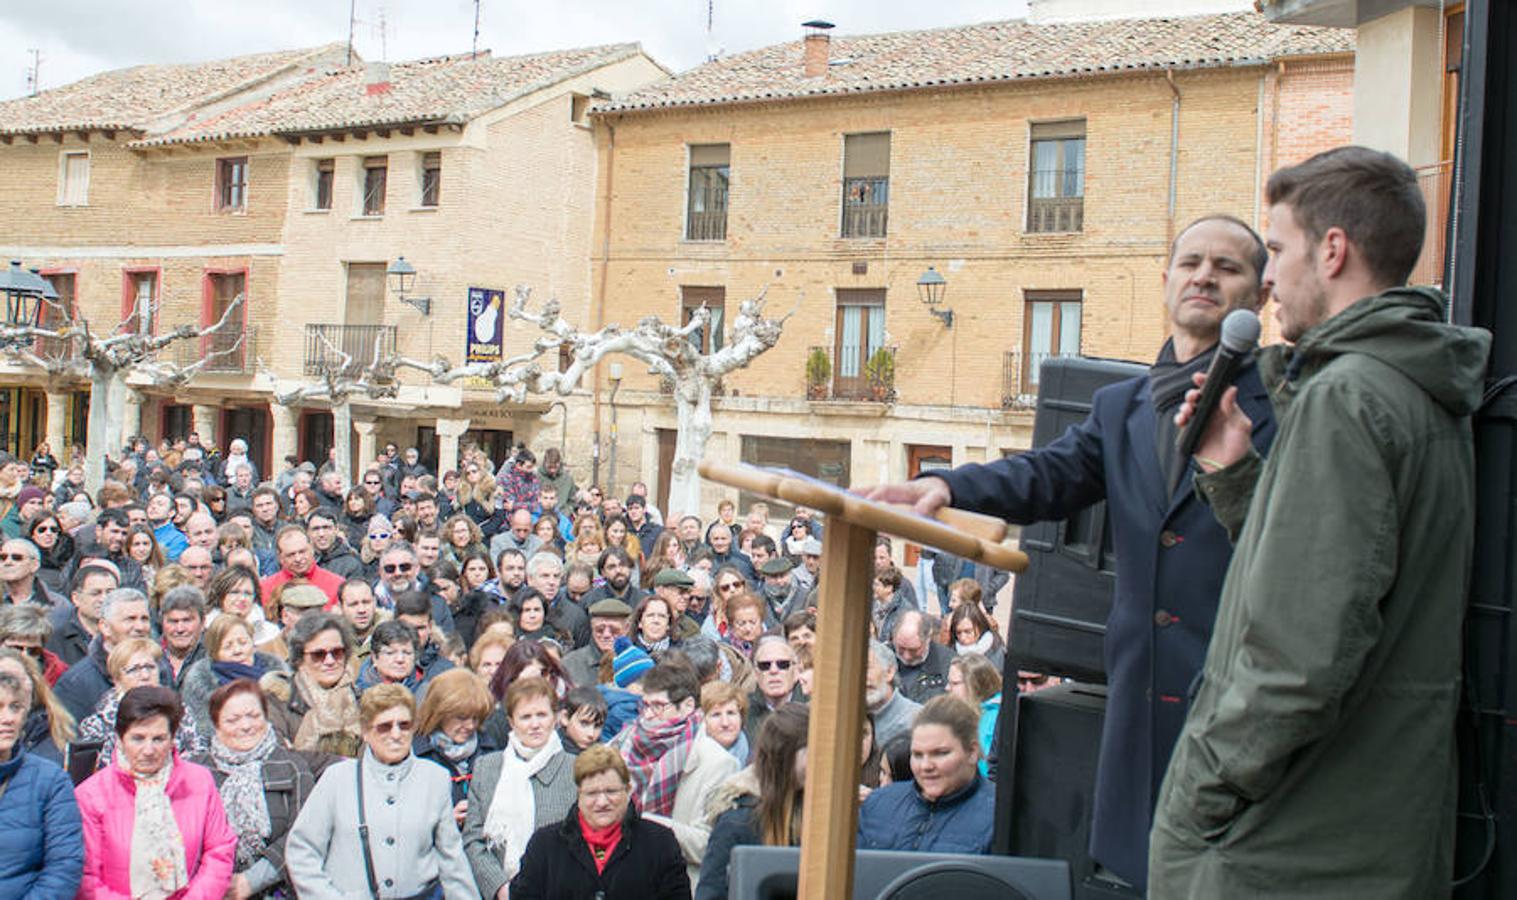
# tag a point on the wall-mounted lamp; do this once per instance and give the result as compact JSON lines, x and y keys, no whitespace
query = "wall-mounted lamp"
{"x":403,"y":279}
{"x":930,"y":289}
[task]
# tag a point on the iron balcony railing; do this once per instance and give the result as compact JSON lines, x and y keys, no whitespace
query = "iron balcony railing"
{"x":1055,"y":214}
{"x":874,"y":381}
{"x":1019,"y":378}
{"x":364,"y":343}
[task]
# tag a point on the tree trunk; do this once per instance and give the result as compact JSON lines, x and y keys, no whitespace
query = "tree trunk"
{"x":692,"y":401}
{"x":107,"y":401}
{"x":342,"y":437}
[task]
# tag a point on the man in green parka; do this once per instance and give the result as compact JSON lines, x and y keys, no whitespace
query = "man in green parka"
{"x":1318,"y":757}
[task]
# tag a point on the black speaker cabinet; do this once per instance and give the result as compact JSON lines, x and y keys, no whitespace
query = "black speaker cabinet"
{"x":1044,"y":796}
{"x":1061,"y":601}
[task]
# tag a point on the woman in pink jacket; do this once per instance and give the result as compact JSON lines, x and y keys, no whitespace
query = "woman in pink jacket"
{"x":154,"y":826}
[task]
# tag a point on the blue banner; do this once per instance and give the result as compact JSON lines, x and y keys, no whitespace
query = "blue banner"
{"x":487,"y":325}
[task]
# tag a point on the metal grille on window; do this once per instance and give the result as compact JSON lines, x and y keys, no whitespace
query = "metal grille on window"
{"x":375,"y":174}
{"x":706,"y":218}
{"x":866,"y":184}
{"x":431,"y":178}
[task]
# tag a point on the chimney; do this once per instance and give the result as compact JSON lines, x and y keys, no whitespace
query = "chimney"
{"x":376,"y":78}
{"x":816,"y":48}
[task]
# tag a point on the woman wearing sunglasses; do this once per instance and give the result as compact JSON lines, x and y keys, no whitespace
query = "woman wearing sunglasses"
{"x":315,"y":708}
{"x":406,"y":844}
{"x":375,"y":542}
{"x":55,"y":547}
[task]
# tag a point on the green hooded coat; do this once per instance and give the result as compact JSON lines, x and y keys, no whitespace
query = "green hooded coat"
{"x":1318,"y":755}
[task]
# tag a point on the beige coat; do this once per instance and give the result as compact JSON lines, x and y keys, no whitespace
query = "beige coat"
{"x":706,"y":768}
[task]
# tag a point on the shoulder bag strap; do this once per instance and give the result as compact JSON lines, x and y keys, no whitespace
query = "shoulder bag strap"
{"x":363,"y":836}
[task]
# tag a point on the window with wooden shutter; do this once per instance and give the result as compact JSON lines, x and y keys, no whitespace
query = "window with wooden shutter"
{"x":1056,"y":177}
{"x":74,"y":179}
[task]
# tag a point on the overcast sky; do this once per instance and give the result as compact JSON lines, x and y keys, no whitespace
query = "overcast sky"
{"x":81,"y":37}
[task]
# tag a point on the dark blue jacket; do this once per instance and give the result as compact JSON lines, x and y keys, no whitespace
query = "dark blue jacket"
{"x":897,"y":817}
{"x":1171,"y":558}
{"x":41,"y":843}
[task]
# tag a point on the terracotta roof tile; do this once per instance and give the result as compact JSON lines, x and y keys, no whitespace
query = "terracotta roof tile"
{"x":989,"y":52}
{"x":443,"y":89}
{"x":132,"y":99}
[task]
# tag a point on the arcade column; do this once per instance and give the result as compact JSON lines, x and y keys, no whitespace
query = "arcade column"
{"x":448,"y":433}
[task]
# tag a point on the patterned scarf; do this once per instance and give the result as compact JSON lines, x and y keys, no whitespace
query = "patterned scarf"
{"x":655,"y":648}
{"x":247,"y":809}
{"x":512,"y":816}
{"x":655,"y":755}
{"x":157,"y":867}
{"x":332,"y":720}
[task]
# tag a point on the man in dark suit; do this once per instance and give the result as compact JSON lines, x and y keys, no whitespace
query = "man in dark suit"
{"x":1171,"y":553}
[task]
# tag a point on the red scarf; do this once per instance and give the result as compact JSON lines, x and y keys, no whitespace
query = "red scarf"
{"x":601,"y":841}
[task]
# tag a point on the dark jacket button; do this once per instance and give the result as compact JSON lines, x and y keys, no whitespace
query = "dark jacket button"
{"x":1163,"y":618}
{"x":1168,"y":539}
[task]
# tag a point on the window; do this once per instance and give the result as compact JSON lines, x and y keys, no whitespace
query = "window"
{"x":375,"y":173}
{"x":232,"y":184}
{"x":366,"y":294}
{"x":1051,"y":327}
{"x":322,"y":188}
{"x":706,"y":215}
{"x":222,"y":289}
{"x":866,"y":184}
{"x":709,"y":339}
{"x":431,"y":177}
{"x":821,"y":459}
{"x":141,"y":302}
{"x":74,"y":179}
{"x":56,"y":314}
{"x":859,"y":332}
{"x":1056,"y":177}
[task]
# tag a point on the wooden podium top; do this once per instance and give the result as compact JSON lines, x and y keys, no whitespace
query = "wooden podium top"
{"x":960,"y":532}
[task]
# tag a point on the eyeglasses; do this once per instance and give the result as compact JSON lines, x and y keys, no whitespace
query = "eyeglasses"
{"x":604,"y":793}
{"x":45,"y":529}
{"x":765,"y":665}
{"x":14,"y":557}
{"x":730,"y":586}
{"x":392,"y":568}
{"x":335,"y":654}
{"x":371,"y":481}
{"x":403,"y":727}
{"x":657,"y":707}
{"x":379,"y":536}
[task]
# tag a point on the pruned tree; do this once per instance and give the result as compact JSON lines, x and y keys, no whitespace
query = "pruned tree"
{"x":106,"y":362}
{"x":669,"y":352}
{"x":341,"y":377}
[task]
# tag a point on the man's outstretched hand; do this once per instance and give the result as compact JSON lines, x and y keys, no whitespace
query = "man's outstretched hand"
{"x":925,"y":495}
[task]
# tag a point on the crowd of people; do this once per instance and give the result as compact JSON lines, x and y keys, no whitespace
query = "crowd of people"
{"x":491,"y":683}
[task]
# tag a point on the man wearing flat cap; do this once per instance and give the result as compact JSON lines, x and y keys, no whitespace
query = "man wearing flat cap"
{"x":608,"y":621}
{"x":673,"y":586}
{"x":782,"y":591}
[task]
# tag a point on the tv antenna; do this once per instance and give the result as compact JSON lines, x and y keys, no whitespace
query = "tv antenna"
{"x":710,"y":35}
{"x":474,"y":47}
{"x":34,"y":73}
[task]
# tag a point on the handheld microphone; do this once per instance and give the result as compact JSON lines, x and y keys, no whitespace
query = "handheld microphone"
{"x":1240,"y":335}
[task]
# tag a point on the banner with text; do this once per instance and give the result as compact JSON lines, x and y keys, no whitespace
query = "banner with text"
{"x":487,"y":324}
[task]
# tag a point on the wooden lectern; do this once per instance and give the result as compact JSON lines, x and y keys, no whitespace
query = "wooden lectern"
{"x":830,"y":819}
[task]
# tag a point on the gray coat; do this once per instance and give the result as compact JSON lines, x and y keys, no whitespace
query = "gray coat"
{"x":582,"y":665}
{"x":553,"y":796}
{"x":411,"y":833}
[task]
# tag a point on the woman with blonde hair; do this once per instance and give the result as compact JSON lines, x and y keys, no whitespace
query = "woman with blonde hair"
{"x":977,"y":681}
{"x":375,"y":542}
{"x":49,"y":727}
{"x":229,"y":655}
{"x":132,"y":663}
{"x":447,"y":730}
{"x":490,"y":649}
{"x":589,"y":542}
{"x":461,"y":537}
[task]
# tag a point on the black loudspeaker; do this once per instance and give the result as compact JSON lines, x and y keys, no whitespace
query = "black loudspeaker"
{"x":1046,"y":790}
{"x":1062,"y":600}
{"x":769,"y":873}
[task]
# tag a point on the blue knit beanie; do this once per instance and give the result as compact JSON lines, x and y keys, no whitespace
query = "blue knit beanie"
{"x":630,"y":663}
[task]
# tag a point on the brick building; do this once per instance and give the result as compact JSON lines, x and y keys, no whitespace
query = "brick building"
{"x":1040,"y":168}
{"x":294,"y":179}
